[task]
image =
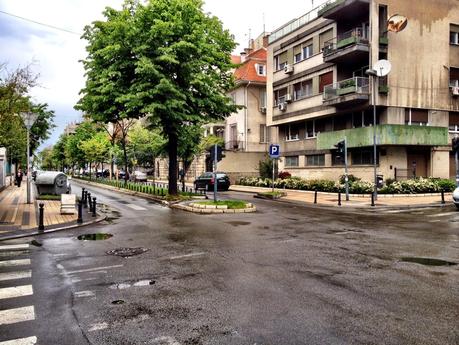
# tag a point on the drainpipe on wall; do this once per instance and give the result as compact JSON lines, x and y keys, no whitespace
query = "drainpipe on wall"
{"x":246,"y":120}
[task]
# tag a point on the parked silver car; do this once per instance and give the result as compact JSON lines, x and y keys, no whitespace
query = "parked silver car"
{"x":456,"y":197}
{"x":138,"y":176}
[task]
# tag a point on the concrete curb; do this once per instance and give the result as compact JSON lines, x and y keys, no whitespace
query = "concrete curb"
{"x":44,"y":232}
{"x":215,"y":210}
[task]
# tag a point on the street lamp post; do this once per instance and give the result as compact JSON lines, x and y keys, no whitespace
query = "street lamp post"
{"x":29,"y":119}
{"x":373,"y":74}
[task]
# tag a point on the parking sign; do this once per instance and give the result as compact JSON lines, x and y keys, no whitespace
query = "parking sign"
{"x":274,"y":151}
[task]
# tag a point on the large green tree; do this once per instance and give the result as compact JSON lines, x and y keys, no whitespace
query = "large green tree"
{"x":165,"y":59}
{"x":144,"y":145}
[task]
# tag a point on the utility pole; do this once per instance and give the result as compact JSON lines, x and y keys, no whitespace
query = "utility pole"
{"x":29,"y":119}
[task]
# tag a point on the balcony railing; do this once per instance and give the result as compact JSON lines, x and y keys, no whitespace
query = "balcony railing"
{"x":358,"y":85}
{"x":234,"y":145}
{"x":329,"y":5}
{"x":351,"y":37}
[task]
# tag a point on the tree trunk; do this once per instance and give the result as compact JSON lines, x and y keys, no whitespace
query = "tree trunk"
{"x":123,"y":143}
{"x":172,"y":151}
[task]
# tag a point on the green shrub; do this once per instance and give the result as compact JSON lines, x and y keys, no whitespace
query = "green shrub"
{"x":350,"y":178}
{"x":446,"y":185}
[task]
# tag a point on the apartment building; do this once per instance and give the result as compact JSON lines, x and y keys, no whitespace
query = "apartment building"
{"x":318,"y":92}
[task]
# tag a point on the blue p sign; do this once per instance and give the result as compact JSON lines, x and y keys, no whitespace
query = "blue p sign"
{"x":274,"y":151}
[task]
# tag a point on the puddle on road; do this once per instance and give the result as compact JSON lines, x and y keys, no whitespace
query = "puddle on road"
{"x":127,"y":252}
{"x":237,"y":223}
{"x":118,"y":302}
{"x":94,"y":237}
{"x":428,"y":261}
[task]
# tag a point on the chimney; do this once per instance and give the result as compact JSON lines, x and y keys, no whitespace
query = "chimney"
{"x":243,"y":56}
{"x":266,"y":40}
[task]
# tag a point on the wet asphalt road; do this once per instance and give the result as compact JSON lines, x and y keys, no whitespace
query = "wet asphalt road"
{"x":288,"y":274}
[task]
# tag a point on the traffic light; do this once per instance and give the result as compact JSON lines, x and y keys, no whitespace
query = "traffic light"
{"x":220,"y":153}
{"x":340,"y":146}
{"x":455,"y":144}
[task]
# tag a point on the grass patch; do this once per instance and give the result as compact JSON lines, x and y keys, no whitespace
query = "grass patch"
{"x":48,"y":197}
{"x":232,"y":204}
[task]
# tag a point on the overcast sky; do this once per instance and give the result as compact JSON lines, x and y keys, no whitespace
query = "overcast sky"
{"x":55,"y":54}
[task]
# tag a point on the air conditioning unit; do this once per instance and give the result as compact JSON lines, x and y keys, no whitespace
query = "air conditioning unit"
{"x":263,"y":110}
{"x":282,"y":106}
{"x":288,"y":69}
{"x":455,"y":91}
{"x":288,"y":98}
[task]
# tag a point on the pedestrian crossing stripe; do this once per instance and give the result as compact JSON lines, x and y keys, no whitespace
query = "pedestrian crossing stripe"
{"x":14,"y":246}
{"x":9,"y":263}
{"x":15,"y":275}
{"x":23,"y":341}
{"x":10,"y":316}
{"x":16,"y":291}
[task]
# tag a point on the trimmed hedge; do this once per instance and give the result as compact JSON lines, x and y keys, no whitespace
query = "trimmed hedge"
{"x":356,"y":185}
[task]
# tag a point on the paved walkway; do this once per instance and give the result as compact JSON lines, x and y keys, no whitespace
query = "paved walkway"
{"x":16,"y":214}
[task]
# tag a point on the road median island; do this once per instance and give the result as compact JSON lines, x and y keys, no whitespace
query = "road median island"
{"x":221,"y":206}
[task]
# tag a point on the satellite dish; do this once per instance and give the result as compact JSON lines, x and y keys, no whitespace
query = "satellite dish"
{"x":397,"y":23}
{"x":382,"y":68}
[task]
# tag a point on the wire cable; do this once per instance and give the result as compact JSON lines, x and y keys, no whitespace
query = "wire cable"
{"x":39,"y":23}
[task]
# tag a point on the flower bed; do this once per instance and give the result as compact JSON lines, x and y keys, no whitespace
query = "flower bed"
{"x":356,"y":186}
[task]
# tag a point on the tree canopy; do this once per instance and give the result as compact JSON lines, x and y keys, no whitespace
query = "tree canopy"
{"x":165,"y":59}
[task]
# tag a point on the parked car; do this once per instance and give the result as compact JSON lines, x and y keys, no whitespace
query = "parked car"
{"x":206,"y":181}
{"x":104,"y":174}
{"x":456,"y":197}
{"x":122,"y":174}
{"x":138,"y":176}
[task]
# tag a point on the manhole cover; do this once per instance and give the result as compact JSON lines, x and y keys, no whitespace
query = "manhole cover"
{"x":94,"y":237}
{"x":429,"y":261}
{"x":118,"y":301}
{"x":127,"y":252}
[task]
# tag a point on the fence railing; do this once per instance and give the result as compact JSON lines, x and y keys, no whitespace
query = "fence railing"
{"x":354,"y":36}
{"x":359,"y":85}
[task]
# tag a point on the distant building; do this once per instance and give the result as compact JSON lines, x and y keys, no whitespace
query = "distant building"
{"x":3,"y":168}
{"x":318,"y":92}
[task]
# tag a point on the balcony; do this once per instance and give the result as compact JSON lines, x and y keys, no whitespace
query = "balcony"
{"x":343,"y":10}
{"x":347,"y":92}
{"x":385,"y":135}
{"x":350,"y":46}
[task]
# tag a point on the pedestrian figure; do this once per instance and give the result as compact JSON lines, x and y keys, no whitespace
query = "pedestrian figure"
{"x":19,"y":175}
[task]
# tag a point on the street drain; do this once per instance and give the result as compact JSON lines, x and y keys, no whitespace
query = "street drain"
{"x":429,"y":261}
{"x":127,"y":252}
{"x":118,"y":302}
{"x":94,"y":237}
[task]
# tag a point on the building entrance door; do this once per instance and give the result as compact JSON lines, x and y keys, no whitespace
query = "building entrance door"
{"x":417,"y":165}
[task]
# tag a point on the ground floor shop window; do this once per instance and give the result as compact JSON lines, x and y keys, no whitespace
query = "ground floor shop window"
{"x":315,"y":160}
{"x":291,"y":161}
{"x":337,"y":158}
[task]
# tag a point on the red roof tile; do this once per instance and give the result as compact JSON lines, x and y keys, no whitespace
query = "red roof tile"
{"x":248,"y":71}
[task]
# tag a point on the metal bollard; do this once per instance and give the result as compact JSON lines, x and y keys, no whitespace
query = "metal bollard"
{"x":442,"y":196}
{"x":41,"y":215}
{"x":372,"y":199}
{"x":82,"y":193}
{"x":315,"y":196}
{"x":94,"y":207}
{"x":80,"y":212}
{"x":339,"y":198}
{"x":88,"y":195}
{"x":85,"y":199}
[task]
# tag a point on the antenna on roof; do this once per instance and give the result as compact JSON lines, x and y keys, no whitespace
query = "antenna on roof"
{"x":264,"y":24}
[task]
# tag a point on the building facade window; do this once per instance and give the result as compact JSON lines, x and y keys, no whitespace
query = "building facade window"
{"x":302,"y":90}
{"x":337,"y":158}
{"x":324,"y":80}
{"x":363,"y":156}
{"x":279,"y":96}
{"x":264,"y":134}
{"x":280,"y":61}
{"x":454,"y":122}
{"x":453,"y":77}
{"x":261,"y":69}
{"x":310,"y":129}
{"x":291,"y":161}
{"x":303,"y":51}
{"x":454,"y":38}
{"x":292,"y":132}
{"x":362,"y":119}
{"x":315,"y":160}
{"x":419,"y":117}
{"x":263,"y":98}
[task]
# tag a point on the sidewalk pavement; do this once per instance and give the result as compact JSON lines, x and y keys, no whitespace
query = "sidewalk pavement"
{"x":17,"y":216}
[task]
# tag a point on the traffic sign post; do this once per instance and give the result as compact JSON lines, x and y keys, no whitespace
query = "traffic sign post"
{"x":274,"y":153}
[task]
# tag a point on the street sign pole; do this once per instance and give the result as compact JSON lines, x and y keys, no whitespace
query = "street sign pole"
{"x":274,"y":164}
{"x":456,"y":158}
{"x":215,"y":172}
{"x":346,"y":176}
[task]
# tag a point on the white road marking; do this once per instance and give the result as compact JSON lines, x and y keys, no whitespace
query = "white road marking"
{"x":136,"y":207}
{"x":16,"y":291}
{"x":14,"y":246}
{"x":11,"y":316}
{"x":186,"y":256}
{"x":93,"y":269}
{"x":80,"y":294}
{"x":97,"y":327}
{"x":9,"y":263}
{"x":15,"y":275}
{"x":77,"y":280}
{"x":443,"y":214}
{"x":23,"y":341}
